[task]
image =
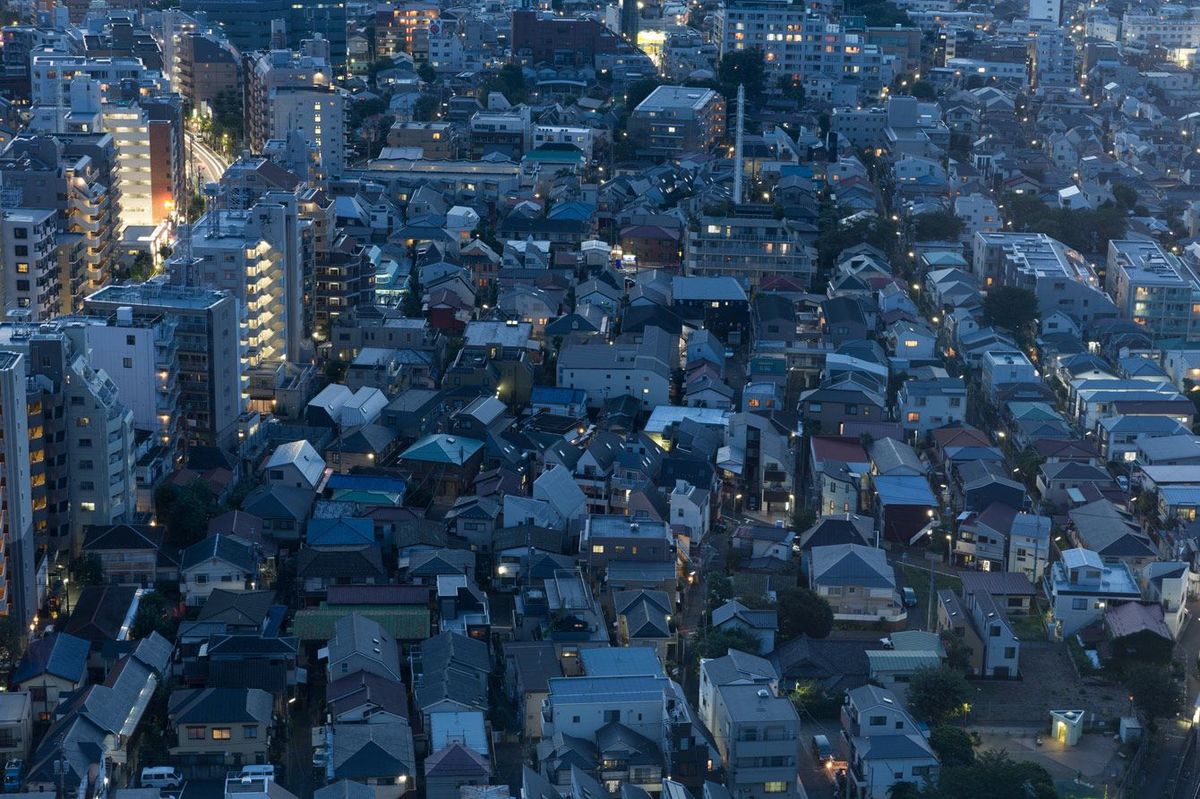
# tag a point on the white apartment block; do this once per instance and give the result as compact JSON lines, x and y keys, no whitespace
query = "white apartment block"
{"x":51,"y":74}
{"x":319,"y":113}
{"x":1155,"y":289}
{"x":1172,"y":27}
{"x":978,"y":213}
{"x":255,"y":256}
{"x":16,"y":521}
{"x":129,"y":126}
{"x":561,"y":134}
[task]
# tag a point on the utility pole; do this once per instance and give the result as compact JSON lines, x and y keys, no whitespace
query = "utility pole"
{"x":932,"y":596}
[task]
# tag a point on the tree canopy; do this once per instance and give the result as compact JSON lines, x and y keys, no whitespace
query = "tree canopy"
{"x":937,"y":226}
{"x":1011,"y":307}
{"x":1154,"y":690}
{"x":1085,"y":229}
{"x":937,"y":694}
{"x":994,"y":775}
{"x":803,"y":612}
{"x":953,"y":745}
{"x":744,"y":67}
{"x":155,"y":613}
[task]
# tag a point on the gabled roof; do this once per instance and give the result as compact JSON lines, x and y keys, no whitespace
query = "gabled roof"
{"x":456,"y":761}
{"x":58,"y":654}
{"x":219,"y":705}
{"x":440,"y":448}
{"x":220,"y":547}
{"x":122,"y":537}
{"x":302,"y":456}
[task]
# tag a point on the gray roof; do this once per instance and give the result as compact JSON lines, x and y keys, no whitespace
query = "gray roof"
{"x":895,"y":747}
{"x":890,"y":456}
{"x":852,"y":564}
{"x":754,"y":619}
{"x":747,"y":703}
{"x":737,"y":666}
{"x":221,"y":547}
{"x":345,"y":789}
{"x":358,"y":635}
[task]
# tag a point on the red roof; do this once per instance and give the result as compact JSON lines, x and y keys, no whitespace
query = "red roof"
{"x":839,"y":448}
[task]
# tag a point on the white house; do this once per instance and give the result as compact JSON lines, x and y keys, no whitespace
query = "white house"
{"x":1082,"y":585}
{"x":886,"y":746}
{"x":636,"y":365}
{"x":690,"y":511}
{"x":296,"y":464}
{"x":219,"y":561}
{"x":926,"y":405}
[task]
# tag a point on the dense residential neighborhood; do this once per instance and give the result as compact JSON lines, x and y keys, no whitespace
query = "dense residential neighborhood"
{"x":648,"y":399}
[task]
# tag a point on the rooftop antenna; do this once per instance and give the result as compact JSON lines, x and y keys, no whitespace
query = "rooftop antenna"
{"x":737,"y":146}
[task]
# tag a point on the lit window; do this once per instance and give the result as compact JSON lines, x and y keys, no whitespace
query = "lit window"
{"x":597,"y":549}
{"x":221,"y":733}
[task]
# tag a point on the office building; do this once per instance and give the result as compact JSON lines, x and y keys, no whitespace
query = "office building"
{"x":207,"y":346}
{"x":1049,"y":10}
{"x":20,"y":591}
{"x":674,"y":120}
{"x":1052,"y":60}
{"x":205,"y":69}
{"x":1155,"y":289}
{"x":1172,"y":27}
{"x":563,"y":41}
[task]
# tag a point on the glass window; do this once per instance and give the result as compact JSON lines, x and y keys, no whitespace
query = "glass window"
{"x":222,"y":733}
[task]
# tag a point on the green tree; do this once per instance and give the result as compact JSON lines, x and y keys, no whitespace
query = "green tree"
{"x":1029,"y":463}
{"x":803,"y":612}
{"x":745,"y":67}
{"x":923,"y":90}
{"x":958,"y":654}
{"x":509,"y":81}
{"x":937,"y":226}
{"x":792,"y":89}
{"x":903,"y":790}
{"x":937,"y":694}
{"x":229,"y":118}
{"x":1011,"y":307}
{"x":953,"y":745}
{"x":715,"y":643}
{"x":412,"y":298}
{"x":88,"y":570}
{"x":155,"y":613}
{"x":426,"y":73}
{"x":720,"y":590}
{"x":425,"y":108}
{"x":1155,"y":691}
{"x":12,"y":641}
{"x":638,"y":91}
{"x":142,"y":267}
{"x":995,"y":775}
{"x":1125,"y":195}
{"x":185,"y":511}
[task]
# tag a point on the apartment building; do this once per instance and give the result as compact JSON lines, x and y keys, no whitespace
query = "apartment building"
{"x":81,"y":437}
{"x":749,"y":244}
{"x":74,"y":175}
{"x":290,"y":91}
{"x":19,"y":597}
{"x":141,"y":357}
{"x":1059,"y":276}
{"x":209,"y":368}
{"x":254,"y":26}
{"x":1171,"y":27}
{"x":1155,"y":289}
{"x":255,"y":256}
{"x":674,"y":120}
{"x":51,"y":75}
{"x":30,"y":285}
{"x":757,"y":733}
{"x":801,"y":44}
{"x":638,"y":365}
{"x":207,"y":67}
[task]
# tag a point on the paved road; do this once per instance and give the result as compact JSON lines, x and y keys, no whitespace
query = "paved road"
{"x":208,"y":164}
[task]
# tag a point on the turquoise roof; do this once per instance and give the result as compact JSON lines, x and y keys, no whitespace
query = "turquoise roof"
{"x":441,"y":448}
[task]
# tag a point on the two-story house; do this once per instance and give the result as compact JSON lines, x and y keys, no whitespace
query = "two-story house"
{"x":757,"y":733}
{"x":1082,"y":585}
{"x":219,"y":729}
{"x":857,"y":581}
{"x":885,"y":744}
{"x":219,"y":561}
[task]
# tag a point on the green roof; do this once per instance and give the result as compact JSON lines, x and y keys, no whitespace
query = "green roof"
{"x":402,"y":622}
{"x":895,"y":660}
{"x":440,"y":448}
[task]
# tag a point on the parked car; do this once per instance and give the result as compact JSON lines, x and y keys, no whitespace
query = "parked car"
{"x":822,"y":750}
{"x":910,"y":597}
{"x":161,"y":777}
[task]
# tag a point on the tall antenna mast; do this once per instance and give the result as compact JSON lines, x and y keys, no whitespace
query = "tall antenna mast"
{"x":737,"y":147}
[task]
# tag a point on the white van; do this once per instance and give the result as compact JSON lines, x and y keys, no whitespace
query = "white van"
{"x":161,"y":777}
{"x":266,"y":771}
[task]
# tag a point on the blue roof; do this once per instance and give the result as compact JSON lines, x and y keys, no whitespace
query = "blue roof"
{"x":59,"y":654}
{"x":365,"y":482}
{"x":620,"y":661}
{"x":557,"y":395}
{"x":904,"y":489}
{"x":341,"y":532}
{"x":638,"y":688}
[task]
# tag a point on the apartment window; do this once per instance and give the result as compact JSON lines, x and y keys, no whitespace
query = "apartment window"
{"x":222,"y":733}
{"x":83,"y":421}
{"x":775,"y":786}
{"x":612,"y":715}
{"x":1079,"y":604}
{"x":1010,"y":652}
{"x":85,"y":443}
{"x":130,"y":340}
{"x":597,"y":549}
{"x":127,"y":363}
{"x":877,"y":721}
{"x":250,"y":731}
{"x":195,"y":733}
{"x":201,"y":579}
{"x":23,"y":268}
{"x":955,"y":402}
{"x":89,"y":507}
{"x":994,"y":631}
{"x":913,"y":416}
{"x":20,"y":233}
